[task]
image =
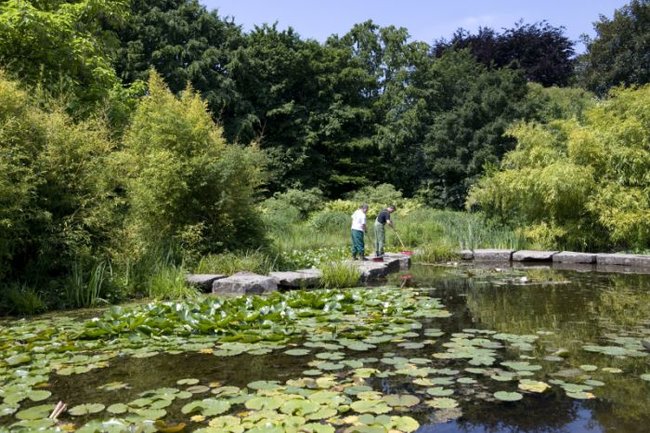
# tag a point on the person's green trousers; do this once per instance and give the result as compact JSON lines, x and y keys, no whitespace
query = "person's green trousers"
{"x":358,"y":246}
{"x":380,"y":239}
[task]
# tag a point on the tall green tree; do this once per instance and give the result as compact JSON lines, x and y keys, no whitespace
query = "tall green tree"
{"x":578,"y":183}
{"x":544,"y":52}
{"x":185,"y":185}
{"x":56,"y":203}
{"x":61,"y":45}
{"x":473,"y":107}
{"x":186,"y":44}
{"x":619,"y":54}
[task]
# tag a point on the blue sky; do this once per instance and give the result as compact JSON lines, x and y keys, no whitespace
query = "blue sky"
{"x":426,"y":20}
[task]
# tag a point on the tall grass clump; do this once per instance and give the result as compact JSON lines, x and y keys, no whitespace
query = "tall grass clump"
{"x":438,"y":252}
{"x":339,"y":275}
{"x":21,"y":300}
{"x":255,"y":261}
{"x":169,"y":282}
{"x":84,"y":287}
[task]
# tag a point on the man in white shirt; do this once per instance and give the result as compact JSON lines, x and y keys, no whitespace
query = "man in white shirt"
{"x":358,"y":231}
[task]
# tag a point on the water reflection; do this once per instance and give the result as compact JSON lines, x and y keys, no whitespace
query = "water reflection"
{"x":566,"y":309}
{"x":579,"y":309}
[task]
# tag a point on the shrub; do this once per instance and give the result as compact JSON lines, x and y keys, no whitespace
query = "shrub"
{"x":231,"y":263}
{"x":169,"y":282}
{"x":21,"y":300}
{"x":438,"y":252}
{"x":182,"y":178}
{"x":330,"y":221}
{"x":338,"y":275}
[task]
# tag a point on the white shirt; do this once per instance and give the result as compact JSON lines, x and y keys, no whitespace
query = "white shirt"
{"x":358,"y":220}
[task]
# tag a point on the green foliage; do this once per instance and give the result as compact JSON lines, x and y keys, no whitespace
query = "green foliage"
{"x":330,"y":221}
{"x":339,"y":275}
{"x":578,"y":185}
{"x":619,"y":53}
{"x":184,"y":183}
{"x":168,"y":282}
{"x":19,"y":299}
{"x":61,"y":46}
{"x":84,"y":288}
{"x":542,"y":51}
{"x":55,"y":194}
{"x":230,"y":263}
{"x":434,"y":253}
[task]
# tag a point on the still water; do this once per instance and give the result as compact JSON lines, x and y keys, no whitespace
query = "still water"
{"x":568,"y":313}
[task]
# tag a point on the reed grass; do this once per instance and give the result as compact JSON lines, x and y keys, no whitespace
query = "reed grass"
{"x":339,"y":275}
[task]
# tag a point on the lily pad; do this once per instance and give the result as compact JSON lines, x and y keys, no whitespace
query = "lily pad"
{"x":86,"y":409}
{"x":508,"y":396}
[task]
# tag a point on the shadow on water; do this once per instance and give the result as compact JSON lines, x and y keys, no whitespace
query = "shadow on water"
{"x":570,"y":309}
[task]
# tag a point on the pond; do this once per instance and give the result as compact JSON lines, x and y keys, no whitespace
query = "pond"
{"x":440,"y":349}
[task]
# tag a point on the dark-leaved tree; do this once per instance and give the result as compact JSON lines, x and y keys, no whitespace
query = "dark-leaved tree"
{"x":541,"y":50}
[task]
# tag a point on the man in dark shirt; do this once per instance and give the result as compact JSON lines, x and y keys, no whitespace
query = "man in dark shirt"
{"x":380,"y":231}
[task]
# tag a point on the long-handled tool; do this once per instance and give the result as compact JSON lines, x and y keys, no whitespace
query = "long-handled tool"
{"x":405,"y":251}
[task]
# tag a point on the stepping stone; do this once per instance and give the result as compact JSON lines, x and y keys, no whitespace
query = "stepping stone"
{"x":571,"y":257}
{"x":533,"y":256}
{"x":203,"y":281}
{"x":623,"y":260}
{"x":302,"y":278}
{"x":493,"y":255}
{"x":244,"y":283}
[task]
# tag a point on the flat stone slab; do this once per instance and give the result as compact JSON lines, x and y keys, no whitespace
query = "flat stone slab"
{"x":203,"y":281}
{"x":493,"y":255}
{"x":533,"y":256}
{"x":571,"y":257}
{"x":243,"y":283}
{"x":404,"y":261}
{"x":371,"y":271}
{"x":467,"y":254}
{"x":623,"y":260}
{"x":302,"y":278}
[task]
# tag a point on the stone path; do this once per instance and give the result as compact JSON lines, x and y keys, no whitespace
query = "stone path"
{"x":249,"y":283}
{"x":569,"y":260}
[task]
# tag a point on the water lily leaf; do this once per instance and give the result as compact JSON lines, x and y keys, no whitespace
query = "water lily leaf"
{"x":227,"y":424}
{"x":442,"y":403}
{"x":6,"y":409}
{"x":35,"y":412}
{"x":331,"y":356}
{"x":264,"y":384}
{"x":612,"y":370}
{"x":588,"y":367}
{"x":297,"y":352}
{"x":189,"y":381}
{"x":113,"y":386}
{"x":198,"y":389}
{"x":404,"y":424}
{"x":264,"y":403}
{"x":299,"y":407}
{"x":439,"y":391}
{"x":207,"y":407}
{"x":39,"y":395}
{"x":401,"y":400}
{"x":508,"y":396}
{"x":117,"y":408}
{"x":533,"y":386}
{"x":312,"y":372}
{"x":34,"y":424}
{"x":163,"y":427}
{"x":580,"y":395}
{"x":21,"y":358}
{"x":370,"y":406}
{"x":86,"y":409}
{"x":149,"y":414}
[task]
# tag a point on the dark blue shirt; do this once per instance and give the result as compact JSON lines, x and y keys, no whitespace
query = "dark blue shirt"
{"x":383,"y":216}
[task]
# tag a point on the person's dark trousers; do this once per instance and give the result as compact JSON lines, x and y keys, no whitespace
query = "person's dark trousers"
{"x":380,"y":239}
{"x":357,"y":244}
